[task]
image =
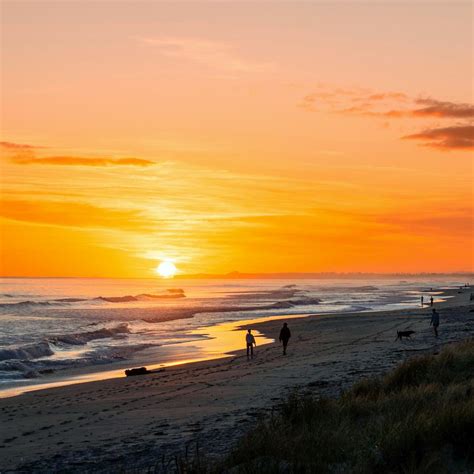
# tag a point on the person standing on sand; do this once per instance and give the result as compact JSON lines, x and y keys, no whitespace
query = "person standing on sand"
{"x":250,"y":340}
{"x":431,"y":301}
{"x":285,"y":335}
{"x":435,"y":321}
{"x":422,"y":301}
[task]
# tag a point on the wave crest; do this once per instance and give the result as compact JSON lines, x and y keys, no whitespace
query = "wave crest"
{"x":84,"y":337}
{"x":44,"y":349}
{"x":30,"y":351}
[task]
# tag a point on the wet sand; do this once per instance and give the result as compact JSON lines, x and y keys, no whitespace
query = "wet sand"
{"x":103,"y":425}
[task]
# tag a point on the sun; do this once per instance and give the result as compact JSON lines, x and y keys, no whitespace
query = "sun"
{"x":166,"y":269}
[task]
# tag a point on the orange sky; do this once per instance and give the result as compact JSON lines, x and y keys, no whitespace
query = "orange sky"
{"x":250,"y":136}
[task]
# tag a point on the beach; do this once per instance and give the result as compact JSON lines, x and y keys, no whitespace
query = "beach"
{"x":133,"y":422}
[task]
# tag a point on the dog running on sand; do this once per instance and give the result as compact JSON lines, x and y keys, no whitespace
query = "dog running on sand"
{"x":402,"y":334}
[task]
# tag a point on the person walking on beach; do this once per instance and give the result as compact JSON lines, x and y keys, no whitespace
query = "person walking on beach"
{"x":422,"y":301}
{"x":250,"y":340}
{"x":431,"y":301}
{"x":435,"y":321}
{"x":285,"y":335}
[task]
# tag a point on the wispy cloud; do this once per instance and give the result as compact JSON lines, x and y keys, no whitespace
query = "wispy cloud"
{"x":209,"y":53}
{"x":80,"y":161}
{"x":18,"y":146}
{"x":383,"y":104}
{"x":355,"y":100}
{"x":436,"y":108}
{"x":460,"y":137}
{"x":23,"y":154}
{"x":398,"y":105}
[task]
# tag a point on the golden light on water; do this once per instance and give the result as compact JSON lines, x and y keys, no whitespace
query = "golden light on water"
{"x":166,"y":269}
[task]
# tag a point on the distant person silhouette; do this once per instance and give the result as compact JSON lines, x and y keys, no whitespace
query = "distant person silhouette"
{"x":285,"y":335}
{"x":431,"y":301}
{"x":435,"y":321}
{"x":422,"y":301}
{"x":250,"y":340}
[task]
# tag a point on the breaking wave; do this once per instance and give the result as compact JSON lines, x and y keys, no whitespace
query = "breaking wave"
{"x":44,"y":349}
{"x":84,"y":337}
{"x":28,"y":304}
{"x":30,"y":351}
{"x":168,"y":294}
{"x":173,"y":293}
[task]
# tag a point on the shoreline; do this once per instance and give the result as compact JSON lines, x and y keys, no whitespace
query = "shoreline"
{"x":134,"y":421}
{"x":205,"y":346}
{"x":213,"y":349}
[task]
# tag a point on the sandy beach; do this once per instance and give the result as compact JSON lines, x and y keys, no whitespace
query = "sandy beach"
{"x":133,"y":422}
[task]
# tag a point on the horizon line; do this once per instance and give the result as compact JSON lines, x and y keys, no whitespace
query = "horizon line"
{"x":236,"y":275}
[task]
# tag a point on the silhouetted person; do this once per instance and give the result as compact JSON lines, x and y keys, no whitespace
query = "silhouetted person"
{"x":285,"y":335}
{"x":250,"y":342}
{"x":431,"y":301}
{"x":435,"y":321}
{"x":422,"y":298}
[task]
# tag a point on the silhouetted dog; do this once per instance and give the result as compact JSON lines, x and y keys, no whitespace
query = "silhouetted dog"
{"x":402,"y":334}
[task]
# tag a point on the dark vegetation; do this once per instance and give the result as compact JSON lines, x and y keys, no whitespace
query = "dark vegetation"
{"x":419,"y":418}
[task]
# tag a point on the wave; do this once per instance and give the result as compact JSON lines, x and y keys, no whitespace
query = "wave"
{"x":182,"y":313}
{"x":117,"y":299}
{"x":297,"y":302}
{"x":27,"y":304}
{"x":178,"y":293}
{"x":30,"y":351}
{"x":168,"y":294}
{"x":44,"y":349}
{"x":348,"y":289}
{"x":285,"y":292}
{"x":70,"y":300}
{"x":15,"y":369}
{"x":84,"y":337}
{"x":171,"y":293}
{"x":21,"y":369}
{"x":356,"y":309}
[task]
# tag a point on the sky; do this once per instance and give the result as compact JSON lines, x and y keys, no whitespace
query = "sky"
{"x":221,"y":136}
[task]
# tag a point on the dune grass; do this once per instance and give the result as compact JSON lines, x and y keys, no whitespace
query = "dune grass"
{"x":417,"y":418}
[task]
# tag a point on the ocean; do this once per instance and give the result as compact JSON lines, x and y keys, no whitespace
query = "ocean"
{"x":52,"y":326}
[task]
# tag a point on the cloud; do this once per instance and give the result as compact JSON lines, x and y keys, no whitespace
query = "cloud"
{"x":383,"y":104}
{"x":355,"y":100}
{"x":71,"y":214}
{"x":388,"y":95}
{"x":209,"y":53}
{"x":398,"y":105}
{"x":459,"y":137}
{"x":18,"y":146}
{"x":436,"y":108}
{"x":23,"y":154}
{"x":80,"y":161}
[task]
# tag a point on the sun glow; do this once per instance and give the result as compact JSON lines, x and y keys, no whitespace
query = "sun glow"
{"x":166,"y":269}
